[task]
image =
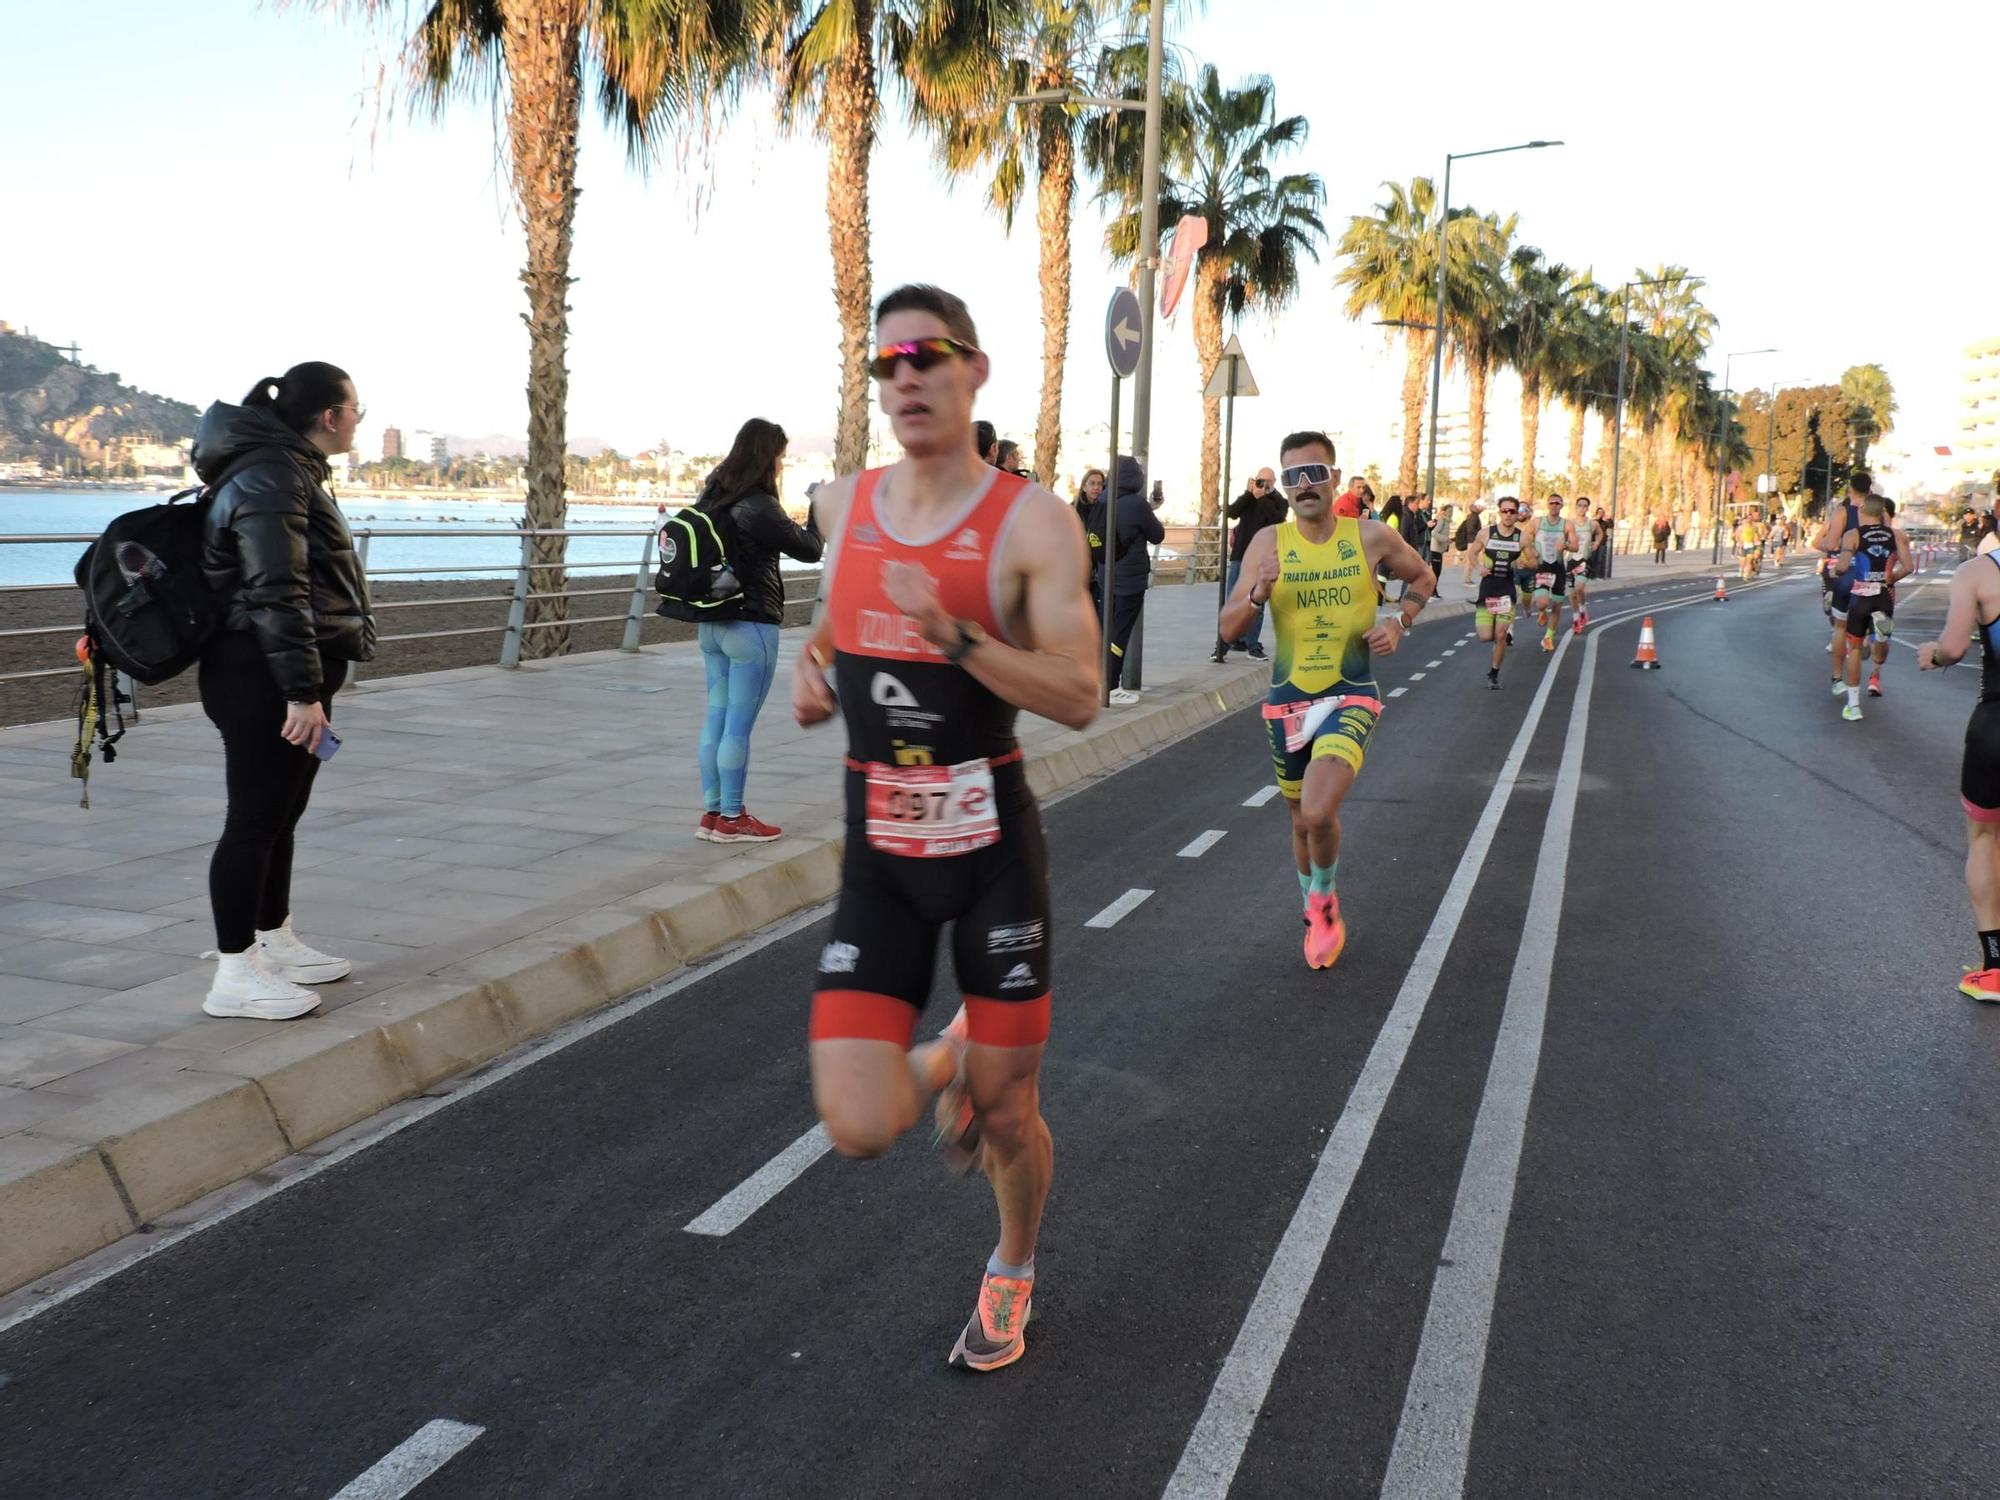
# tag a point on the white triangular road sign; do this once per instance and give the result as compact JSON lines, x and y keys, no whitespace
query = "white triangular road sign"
{"x":1218,"y":380}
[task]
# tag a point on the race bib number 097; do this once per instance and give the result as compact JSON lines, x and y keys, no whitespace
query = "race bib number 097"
{"x":931,"y":812}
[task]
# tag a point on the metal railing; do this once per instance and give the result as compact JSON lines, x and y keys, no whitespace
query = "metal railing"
{"x":800,"y":585}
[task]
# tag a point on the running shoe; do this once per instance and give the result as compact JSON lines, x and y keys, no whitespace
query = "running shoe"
{"x":706,"y":833}
{"x":996,"y":1334}
{"x":1576,"y":624}
{"x":1982,"y":984}
{"x":1220,"y":655}
{"x":1839,"y":687}
{"x":281,"y":952}
{"x":1257,"y":651}
{"x":957,"y":1126}
{"x":1493,"y":678}
{"x":743,"y":829}
{"x":1874,"y":684}
{"x":1548,"y":640}
{"x":1851,"y":713}
{"x":1326,"y":934}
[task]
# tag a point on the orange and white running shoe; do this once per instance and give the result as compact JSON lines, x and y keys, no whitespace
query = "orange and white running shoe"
{"x":1326,"y":934}
{"x":957,"y":1126}
{"x":1982,"y":984}
{"x":996,"y":1334}
{"x":1874,"y":684}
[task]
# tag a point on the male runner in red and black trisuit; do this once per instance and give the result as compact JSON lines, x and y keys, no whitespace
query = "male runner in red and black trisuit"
{"x":955,"y":597}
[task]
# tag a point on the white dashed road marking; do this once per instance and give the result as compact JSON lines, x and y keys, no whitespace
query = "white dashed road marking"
{"x":1430,"y":664}
{"x":412,"y":1461}
{"x":1418,"y":676}
{"x":1397,"y":692}
{"x":1262,"y":795}
{"x":761,"y":1186}
{"x":1202,"y":843}
{"x":1123,"y":907}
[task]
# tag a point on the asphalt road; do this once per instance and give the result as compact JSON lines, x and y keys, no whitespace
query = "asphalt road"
{"x":1678,"y":1060}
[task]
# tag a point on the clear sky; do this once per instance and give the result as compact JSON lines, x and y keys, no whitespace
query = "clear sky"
{"x":204,"y":192}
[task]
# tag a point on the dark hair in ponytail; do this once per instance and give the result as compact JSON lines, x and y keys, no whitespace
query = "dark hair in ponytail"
{"x":752,"y":464}
{"x":298,"y":396}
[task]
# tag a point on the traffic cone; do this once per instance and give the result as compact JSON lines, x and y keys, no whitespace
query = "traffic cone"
{"x":1721,"y":593}
{"x":1648,"y":660}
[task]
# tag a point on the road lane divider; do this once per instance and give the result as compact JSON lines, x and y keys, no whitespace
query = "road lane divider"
{"x":412,"y":1461}
{"x":1434,"y":1436}
{"x":1202,"y":843}
{"x":1221,"y":1433}
{"x":730,"y":1210}
{"x":1118,"y":910}
{"x":1262,"y":795}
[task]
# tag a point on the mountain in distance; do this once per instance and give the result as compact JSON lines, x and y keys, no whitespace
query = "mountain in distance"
{"x":53,"y":411}
{"x":504,"y":445}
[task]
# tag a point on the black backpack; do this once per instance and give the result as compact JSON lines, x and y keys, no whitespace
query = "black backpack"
{"x":695,"y":577}
{"x":147,"y":606}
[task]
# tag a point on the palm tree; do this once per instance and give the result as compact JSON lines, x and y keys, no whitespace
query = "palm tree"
{"x":1473,"y":316}
{"x":1052,"y":45}
{"x":830,"y":55}
{"x":649,"y":60}
{"x":1391,"y":274}
{"x":1539,"y":296}
{"x":1584,"y":364}
{"x":1259,"y":223}
{"x":1871,"y":403}
{"x":1670,"y":309}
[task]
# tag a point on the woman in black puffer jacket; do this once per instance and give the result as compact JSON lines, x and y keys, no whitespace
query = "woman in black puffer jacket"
{"x":739,"y":640}
{"x":277,"y":550}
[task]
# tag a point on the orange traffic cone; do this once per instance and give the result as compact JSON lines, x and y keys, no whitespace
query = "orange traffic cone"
{"x":1721,"y":593}
{"x":1648,"y":660}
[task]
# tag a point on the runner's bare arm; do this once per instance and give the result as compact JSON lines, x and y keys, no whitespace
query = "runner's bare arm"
{"x":1829,"y":535}
{"x":812,"y":699}
{"x":1260,"y":570}
{"x":1477,"y":546}
{"x":1385,"y":545}
{"x":1849,"y":545}
{"x":1055,"y":673}
{"x":1956,"y":638}
{"x":1905,"y":562}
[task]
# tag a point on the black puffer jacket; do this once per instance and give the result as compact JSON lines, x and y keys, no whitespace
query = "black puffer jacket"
{"x":278,"y":549}
{"x":758,"y":532}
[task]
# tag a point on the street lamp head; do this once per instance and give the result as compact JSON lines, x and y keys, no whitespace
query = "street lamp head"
{"x":1537,"y":145}
{"x":1042,"y":96}
{"x":1405,"y":323}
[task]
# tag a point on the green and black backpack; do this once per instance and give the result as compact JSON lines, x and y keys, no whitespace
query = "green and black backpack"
{"x":696,"y":578}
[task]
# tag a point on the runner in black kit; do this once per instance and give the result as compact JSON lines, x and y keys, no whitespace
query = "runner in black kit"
{"x":1496,"y":552}
{"x":955,"y":597}
{"x":1975,"y":603}
{"x":1834,"y":587}
{"x":1872,"y":557}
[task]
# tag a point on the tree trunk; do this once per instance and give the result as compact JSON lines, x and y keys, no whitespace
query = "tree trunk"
{"x":1416,"y":371}
{"x":1531,"y":434}
{"x":1208,"y":345}
{"x":1606,"y":439}
{"x":1475,"y":412}
{"x":543,"y":51}
{"x":1055,"y":200}
{"x":1576,"y":414}
{"x":1645,"y":446}
{"x":849,"y":111}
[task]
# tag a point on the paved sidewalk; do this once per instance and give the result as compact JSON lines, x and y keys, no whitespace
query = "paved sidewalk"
{"x":497,"y":851}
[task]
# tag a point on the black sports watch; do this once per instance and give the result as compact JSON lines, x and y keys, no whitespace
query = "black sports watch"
{"x":970,"y":633}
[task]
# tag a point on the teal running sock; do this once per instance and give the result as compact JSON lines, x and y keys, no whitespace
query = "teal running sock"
{"x":1322,"y":879}
{"x":1305,"y":884}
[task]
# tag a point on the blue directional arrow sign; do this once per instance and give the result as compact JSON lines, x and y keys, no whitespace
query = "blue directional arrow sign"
{"x":1123,"y":332}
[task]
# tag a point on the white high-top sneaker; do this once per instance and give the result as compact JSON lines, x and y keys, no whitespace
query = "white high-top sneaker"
{"x":284,"y":955}
{"x":244,"y":987}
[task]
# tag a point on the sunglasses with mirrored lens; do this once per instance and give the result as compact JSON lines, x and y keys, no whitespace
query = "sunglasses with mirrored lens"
{"x":1509,"y":510}
{"x":922,"y":354}
{"x":1299,"y":476}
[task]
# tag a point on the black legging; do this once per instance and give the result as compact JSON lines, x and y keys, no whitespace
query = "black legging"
{"x":269,"y":781}
{"x":1124,"y":615}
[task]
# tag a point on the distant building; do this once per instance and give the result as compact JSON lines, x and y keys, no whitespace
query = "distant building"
{"x":440,"y":454}
{"x":1976,"y":454}
{"x":427,"y":447}
{"x":392,"y":442}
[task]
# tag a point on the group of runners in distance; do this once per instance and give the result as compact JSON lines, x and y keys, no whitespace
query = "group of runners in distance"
{"x":1517,"y":569}
{"x":956,"y":595}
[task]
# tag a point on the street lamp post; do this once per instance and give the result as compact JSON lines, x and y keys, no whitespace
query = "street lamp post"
{"x":1437,"y":349}
{"x":1722,"y":451}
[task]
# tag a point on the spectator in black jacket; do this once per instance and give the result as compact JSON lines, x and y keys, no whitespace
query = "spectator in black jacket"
{"x":277,"y":552}
{"x":1132,"y":566}
{"x":739,"y":640}
{"x":1257,"y":507}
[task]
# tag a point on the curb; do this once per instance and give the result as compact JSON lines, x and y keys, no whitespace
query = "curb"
{"x":81,"y":1180}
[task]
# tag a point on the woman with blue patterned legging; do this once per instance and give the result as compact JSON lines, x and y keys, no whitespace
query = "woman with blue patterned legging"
{"x":739,"y":640}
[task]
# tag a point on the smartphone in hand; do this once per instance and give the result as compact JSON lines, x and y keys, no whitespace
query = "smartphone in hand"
{"x":329,"y":742}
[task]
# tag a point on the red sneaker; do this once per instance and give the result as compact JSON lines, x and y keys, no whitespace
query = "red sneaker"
{"x":706,"y":832}
{"x":1982,"y":984}
{"x":743,"y":829}
{"x":1874,"y":684}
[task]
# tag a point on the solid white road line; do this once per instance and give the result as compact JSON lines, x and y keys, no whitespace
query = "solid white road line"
{"x":1262,"y":795}
{"x":1123,"y":907}
{"x":730,"y":1210}
{"x":412,"y":1461}
{"x":1215,"y":1448}
{"x":1202,"y":843}
{"x":1434,"y":1437}
{"x":1397,"y":692}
